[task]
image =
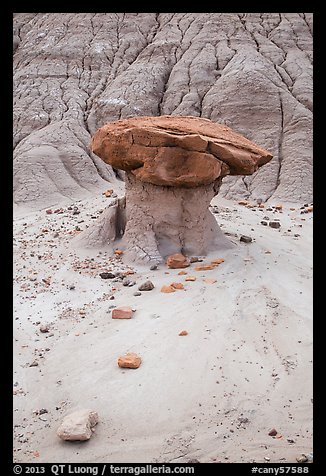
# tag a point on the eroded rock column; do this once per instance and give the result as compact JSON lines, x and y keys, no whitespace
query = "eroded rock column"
{"x":161,"y":221}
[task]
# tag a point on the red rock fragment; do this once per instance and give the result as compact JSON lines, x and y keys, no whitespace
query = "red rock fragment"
{"x":124,"y":312}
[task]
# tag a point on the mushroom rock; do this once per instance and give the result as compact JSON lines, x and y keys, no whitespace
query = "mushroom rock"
{"x":174,"y":167}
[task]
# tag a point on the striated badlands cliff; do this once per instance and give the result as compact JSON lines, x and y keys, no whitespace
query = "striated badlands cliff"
{"x":75,"y":72}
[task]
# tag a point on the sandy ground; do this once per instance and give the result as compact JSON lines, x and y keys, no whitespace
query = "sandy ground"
{"x":213,"y":395}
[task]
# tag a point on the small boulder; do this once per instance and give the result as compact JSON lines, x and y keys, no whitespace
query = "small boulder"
{"x":177,"y":260}
{"x":129,"y":361}
{"x":78,"y":425}
{"x":273,"y":432}
{"x":183,"y":333}
{"x":190,"y":278}
{"x":146,"y":286}
{"x":124,"y":312}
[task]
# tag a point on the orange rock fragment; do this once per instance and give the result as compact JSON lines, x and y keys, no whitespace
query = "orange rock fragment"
{"x":243,"y":202}
{"x":279,"y":206}
{"x":210,"y":281}
{"x":292,"y":209}
{"x":177,"y":260}
{"x":217,"y":261}
{"x":118,"y":252}
{"x":310,"y":209}
{"x":204,"y":267}
{"x":108,"y":193}
{"x":181,"y":273}
{"x":129,"y":361}
{"x":177,"y":285}
{"x":167,"y":289}
{"x":190,"y":278}
{"x":261,"y":205}
{"x":183,"y":333}
{"x":124,"y":312}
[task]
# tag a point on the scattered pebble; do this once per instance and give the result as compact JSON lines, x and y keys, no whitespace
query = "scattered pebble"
{"x":34,"y":364}
{"x":245,"y":239}
{"x":167,"y":289}
{"x":107,"y":275}
{"x":195,"y":259}
{"x":204,"y":267}
{"x":273,"y":432}
{"x":275,"y":224}
{"x":177,"y":285}
{"x":217,"y":261}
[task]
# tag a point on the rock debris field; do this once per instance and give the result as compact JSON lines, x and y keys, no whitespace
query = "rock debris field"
{"x":226,"y":357}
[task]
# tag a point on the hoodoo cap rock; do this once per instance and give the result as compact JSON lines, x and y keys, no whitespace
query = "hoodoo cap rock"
{"x":179,"y":151}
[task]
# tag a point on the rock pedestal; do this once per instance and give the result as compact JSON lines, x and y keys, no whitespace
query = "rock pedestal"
{"x":174,"y":167}
{"x":162,"y":221}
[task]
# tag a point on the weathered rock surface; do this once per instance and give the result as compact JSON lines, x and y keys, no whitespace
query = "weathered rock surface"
{"x":77,"y":426}
{"x":74,"y":72}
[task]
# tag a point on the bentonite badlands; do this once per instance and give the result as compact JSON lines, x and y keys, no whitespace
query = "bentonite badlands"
{"x":220,"y":350}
